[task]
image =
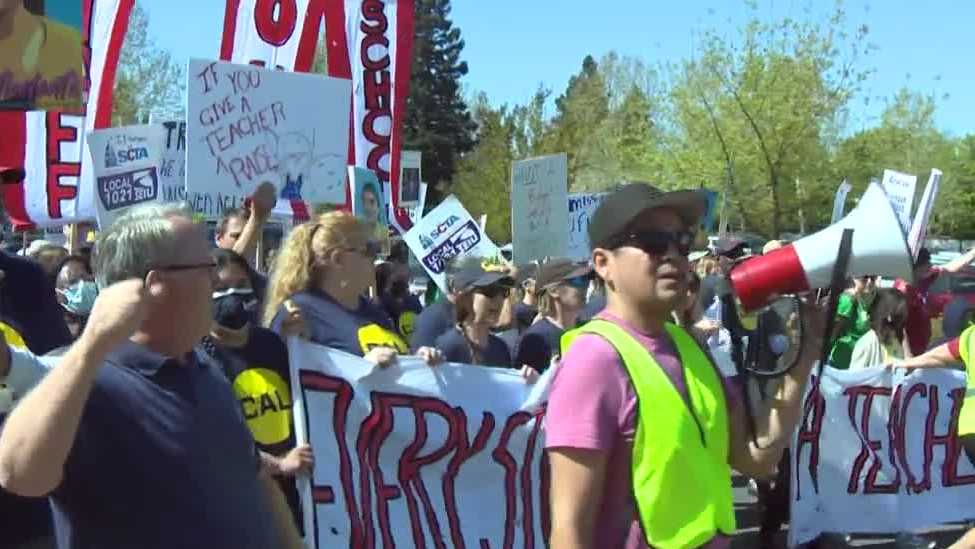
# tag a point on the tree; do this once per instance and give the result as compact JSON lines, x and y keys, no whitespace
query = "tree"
{"x":148,"y":81}
{"x":483,"y":181}
{"x":437,"y":121}
{"x":773,"y":102}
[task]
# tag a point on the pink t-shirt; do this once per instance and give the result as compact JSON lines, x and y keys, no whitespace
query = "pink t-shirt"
{"x":593,"y":406}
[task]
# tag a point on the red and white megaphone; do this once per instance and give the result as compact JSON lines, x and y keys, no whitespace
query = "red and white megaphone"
{"x":879,"y":248}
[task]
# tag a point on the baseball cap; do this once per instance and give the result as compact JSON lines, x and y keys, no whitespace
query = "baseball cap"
{"x":552,"y":271}
{"x":627,"y":202}
{"x":468,"y":273}
{"x":730,"y":247}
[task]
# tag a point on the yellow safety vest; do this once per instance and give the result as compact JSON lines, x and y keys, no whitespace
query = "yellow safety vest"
{"x":966,"y":418}
{"x":681,"y":477}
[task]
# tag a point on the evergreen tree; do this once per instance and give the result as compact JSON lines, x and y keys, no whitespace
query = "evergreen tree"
{"x":437,"y":120}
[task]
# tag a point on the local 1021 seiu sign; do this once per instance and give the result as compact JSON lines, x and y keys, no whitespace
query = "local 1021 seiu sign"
{"x":445,"y":233}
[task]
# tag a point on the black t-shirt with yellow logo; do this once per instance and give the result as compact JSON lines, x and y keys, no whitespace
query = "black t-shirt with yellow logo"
{"x":261,"y":379}
{"x":336,"y":327}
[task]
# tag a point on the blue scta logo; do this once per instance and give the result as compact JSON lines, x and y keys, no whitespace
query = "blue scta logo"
{"x":116,"y":157}
{"x":427,"y":240}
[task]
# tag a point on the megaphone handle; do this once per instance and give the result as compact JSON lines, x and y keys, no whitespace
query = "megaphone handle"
{"x":836,"y":287}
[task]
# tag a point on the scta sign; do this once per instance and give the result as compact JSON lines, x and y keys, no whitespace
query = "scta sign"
{"x":427,"y":240}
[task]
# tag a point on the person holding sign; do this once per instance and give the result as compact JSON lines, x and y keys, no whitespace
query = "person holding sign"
{"x":325,"y":267}
{"x":641,"y":428}
{"x":561,"y":285}
{"x":481,"y":295}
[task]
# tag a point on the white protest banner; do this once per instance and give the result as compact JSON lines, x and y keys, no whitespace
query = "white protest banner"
{"x":876,"y":452}
{"x":126,"y":162}
{"x":410,"y":177}
{"x":839,"y":201}
{"x":273,"y":34}
{"x":900,"y":192}
{"x":447,"y":231}
{"x":423,"y":456}
{"x":371,"y":43}
{"x":539,"y":208}
{"x":919,"y":229}
{"x":49,"y":145}
{"x":581,"y":208}
{"x":246,"y":125}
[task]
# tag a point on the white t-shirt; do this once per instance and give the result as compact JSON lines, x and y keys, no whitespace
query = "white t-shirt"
{"x":869,"y":352}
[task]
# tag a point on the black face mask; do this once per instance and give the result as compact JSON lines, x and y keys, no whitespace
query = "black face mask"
{"x":234,"y":308}
{"x":399,"y":288}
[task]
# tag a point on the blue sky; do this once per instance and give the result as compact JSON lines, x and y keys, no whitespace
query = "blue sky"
{"x":512,"y":46}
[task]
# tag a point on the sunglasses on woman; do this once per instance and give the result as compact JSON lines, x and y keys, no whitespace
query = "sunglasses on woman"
{"x":658,"y":242}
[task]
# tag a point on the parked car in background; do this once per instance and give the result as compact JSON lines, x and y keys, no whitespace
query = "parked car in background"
{"x":948,"y":287}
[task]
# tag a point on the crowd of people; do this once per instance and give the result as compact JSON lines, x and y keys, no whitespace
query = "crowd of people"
{"x":148,"y":382}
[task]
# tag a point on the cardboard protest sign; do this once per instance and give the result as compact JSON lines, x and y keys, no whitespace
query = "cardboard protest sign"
{"x":900,"y":192}
{"x":126,"y":163}
{"x":172,"y":181}
{"x":415,"y":211}
{"x":539,"y":208}
{"x":410,"y":177}
{"x":444,"y":233}
{"x":919,"y":228}
{"x":581,"y":208}
{"x":877,"y":452}
{"x":247,"y":125}
{"x":456,"y":452}
{"x":41,"y":57}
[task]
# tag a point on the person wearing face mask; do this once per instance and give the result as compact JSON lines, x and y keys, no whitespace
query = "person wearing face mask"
{"x":255,"y":361}
{"x":642,"y":431}
{"x":392,"y":283}
{"x":852,"y":320}
{"x":325,"y":267}
{"x":77,"y":301}
{"x":481,"y":295}
{"x":561,"y":285}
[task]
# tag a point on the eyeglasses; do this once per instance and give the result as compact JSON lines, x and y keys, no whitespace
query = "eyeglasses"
{"x":210,"y":265}
{"x":658,"y":242}
{"x":494,"y":291}
{"x":868,"y":278}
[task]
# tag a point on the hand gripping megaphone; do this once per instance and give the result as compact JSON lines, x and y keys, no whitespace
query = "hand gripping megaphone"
{"x":879,"y":248}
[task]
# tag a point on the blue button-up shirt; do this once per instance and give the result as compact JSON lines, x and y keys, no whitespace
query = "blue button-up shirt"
{"x":162,"y":459}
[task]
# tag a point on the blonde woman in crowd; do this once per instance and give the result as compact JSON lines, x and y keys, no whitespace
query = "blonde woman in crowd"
{"x":323,"y":272}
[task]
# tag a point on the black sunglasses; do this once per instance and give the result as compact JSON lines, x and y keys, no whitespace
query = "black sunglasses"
{"x":657,"y":242}
{"x":494,"y":290}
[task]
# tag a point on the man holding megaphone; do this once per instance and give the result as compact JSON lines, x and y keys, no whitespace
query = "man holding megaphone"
{"x":642,"y":430}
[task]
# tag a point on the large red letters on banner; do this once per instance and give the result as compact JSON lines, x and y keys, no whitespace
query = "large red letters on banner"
{"x":891,"y":453}
{"x":275,"y":20}
{"x":57,"y":135}
{"x":369,"y":531}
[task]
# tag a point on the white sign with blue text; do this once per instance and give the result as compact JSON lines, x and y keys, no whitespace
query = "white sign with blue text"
{"x":126,"y":168}
{"x":444,"y":233}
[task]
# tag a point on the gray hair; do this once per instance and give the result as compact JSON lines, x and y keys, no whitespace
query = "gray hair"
{"x":138,"y":240}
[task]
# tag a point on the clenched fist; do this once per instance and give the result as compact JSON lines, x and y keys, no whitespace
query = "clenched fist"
{"x":118,"y":312}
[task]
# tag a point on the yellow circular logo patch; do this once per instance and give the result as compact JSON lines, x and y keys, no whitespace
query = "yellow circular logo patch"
{"x":266,"y":402}
{"x":374,"y":335}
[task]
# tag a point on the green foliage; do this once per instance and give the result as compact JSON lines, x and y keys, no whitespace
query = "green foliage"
{"x":761,"y":116}
{"x":148,"y":81}
{"x":437,"y":121}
